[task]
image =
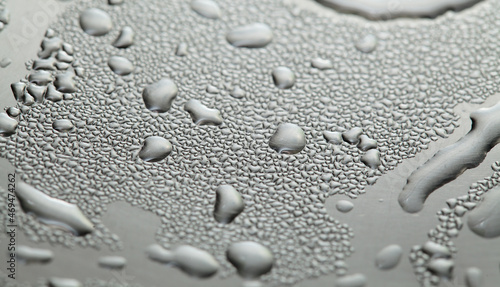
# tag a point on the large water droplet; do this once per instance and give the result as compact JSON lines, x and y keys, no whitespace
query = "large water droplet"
{"x":388,"y":257}
{"x":255,"y":35}
{"x":228,"y":204}
{"x":195,"y":262}
{"x":120,"y":65}
{"x":288,"y":139}
{"x":95,"y":22}
{"x":125,"y":39}
{"x":251,"y":259}
{"x":201,"y":114}
{"x":484,"y":220}
{"x":206,"y":8}
{"x":52,"y":211}
{"x":159,"y":96}
{"x":34,"y":255}
{"x":155,"y":148}
{"x":8,"y":125}
{"x":283,"y":77}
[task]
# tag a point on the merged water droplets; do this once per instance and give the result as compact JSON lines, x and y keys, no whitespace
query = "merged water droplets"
{"x":251,"y":259}
{"x":159,"y":96}
{"x":95,"y":22}
{"x":288,"y":138}
{"x":52,"y":211}
{"x":256,"y":35}
{"x":201,"y":114}
{"x":155,"y":148}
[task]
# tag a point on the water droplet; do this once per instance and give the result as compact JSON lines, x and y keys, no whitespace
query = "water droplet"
{"x":181,"y":50}
{"x":36,"y":91}
{"x":49,"y":46}
{"x":354,"y":280}
{"x":367,"y":43}
{"x":283,"y":77}
{"x":484,"y":220}
{"x":45,"y":64}
{"x":450,"y":162}
{"x":237,"y":93}
{"x":333,"y":137}
{"x":201,"y":114}
{"x":5,"y":62}
{"x":18,"y":90}
{"x":5,"y":16}
{"x":95,"y":22}
{"x":251,"y":259}
{"x":436,"y":250}
{"x":64,"y":282}
{"x":344,"y":206}
{"x":206,"y":8}
{"x":159,"y":254}
{"x":474,"y":277}
{"x":8,"y":125}
{"x":34,"y":255}
{"x":228,"y":204}
{"x":13,"y":112}
{"x":159,"y":96}
{"x":388,"y":257}
{"x":62,"y":125}
{"x":195,"y":262}
{"x":120,"y":65}
{"x":41,"y":78}
{"x":256,"y":35}
{"x":112,"y":262}
{"x":366,"y":143}
{"x":371,"y":158}
{"x":155,"y":148}
{"x":352,"y":136}
{"x":64,"y":82}
{"x":52,"y":94}
{"x":52,"y":211}
{"x":321,"y":64}
{"x":115,"y":2}
{"x":288,"y":139}
{"x":387,"y":9}
{"x":441,"y":267}
{"x":125,"y":39}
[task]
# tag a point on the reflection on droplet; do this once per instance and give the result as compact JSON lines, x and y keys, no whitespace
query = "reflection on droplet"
{"x":388,"y":257}
{"x":155,"y":148}
{"x":288,"y":139}
{"x":283,"y":77}
{"x":159,"y":96}
{"x":33,"y":255}
{"x":95,"y":22}
{"x":52,"y":211}
{"x":255,"y":35}
{"x":206,"y":8}
{"x":125,"y":39}
{"x":201,"y":114}
{"x":8,"y":125}
{"x":484,"y":220}
{"x":112,"y":262}
{"x":354,"y":280}
{"x":120,"y":65}
{"x":251,"y":259}
{"x":62,"y":125}
{"x":344,"y":206}
{"x":228,"y":204}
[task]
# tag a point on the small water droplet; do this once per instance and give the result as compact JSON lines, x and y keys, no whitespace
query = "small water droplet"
{"x":5,"y":62}
{"x":367,"y":43}
{"x":256,"y":35}
{"x":125,"y":39}
{"x":388,"y":257}
{"x":333,"y":137}
{"x":120,"y":65}
{"x":34,"y":255}
{"x":206,"y":8}
{"x":344,"y":206}
{"x":64,"y":282}
{"x":251,"y":259}
{"x":112,"y":262}
{"x":484,"y":220}
{"x":95,"y":22}
{"x":62,"y":125}
{"x":352,"y":136}
{"x":228,"y":204}
{"x":441,"y":267}
{"x":474,"y":277}
{"x":159,"y":96}
{"x":283,"y":77}
{"x":321,"y":64}
{"x":288,"y":139}
{"x":155,"y":148}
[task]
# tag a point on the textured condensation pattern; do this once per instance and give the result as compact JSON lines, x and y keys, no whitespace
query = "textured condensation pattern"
{"x":401,"y":93}
{"x":439,"y":250}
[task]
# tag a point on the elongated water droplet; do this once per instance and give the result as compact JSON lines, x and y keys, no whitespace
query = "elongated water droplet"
{"x":52,"y":211}
{"x":228,"y":204}
{"x":321,"y":64}
{"x":112,"y":262}
{"x":388,"y":257}
{"x":34,"y":255}
{"x":201,"y":114}
{"x":62,"y":125}
{"x":64,"y":282}
{"x":251,"y":259}
{"x":206,"y":8}
{"x":8,"y":125}
{"x":441,"y":267}
{"x":159,"y":254}
{"x":354,"y":280}
{"x":288,"y":139}
{"x":255,"y":35}
{"x":333,"y":137}
{"x":195,"y":262}
{"x":95,"y":22}
{"x":120,"y":65}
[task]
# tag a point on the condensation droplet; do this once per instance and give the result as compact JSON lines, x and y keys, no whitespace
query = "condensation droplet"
{"x":352,"y":136}
{"x":484,"y":220}
{"x":321,"y":64}
{"x":283,"y":77}
{"x":8,"y":125}
{"x":62,"y":125}
{"x":474,"y":277}
{"x":288,"y":139}
{"x":155,"y":148}
{"x":95,"y":22}
{"x":344,"y":206}
{"x":201,"y":114}
{"x":64,"y":282}
{"x":388,"y":257}
{"x":251,"y":259}
{"x":354,"y":280}
{"x":159,"y":96}
{"x":228,"y":204}
{"x":256,"y":35}
{"x":120,"y":65}
{"x":33,"y":255}
{"x":371,"y":158}
{"x":112,"y":262}
{"x":367,"y":43}
{"x":441,"y":267}
{"x":125,"y":39}
{"x":206,"y":8}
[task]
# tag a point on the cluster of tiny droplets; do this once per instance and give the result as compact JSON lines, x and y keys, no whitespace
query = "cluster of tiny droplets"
{"x":402,"y":95}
